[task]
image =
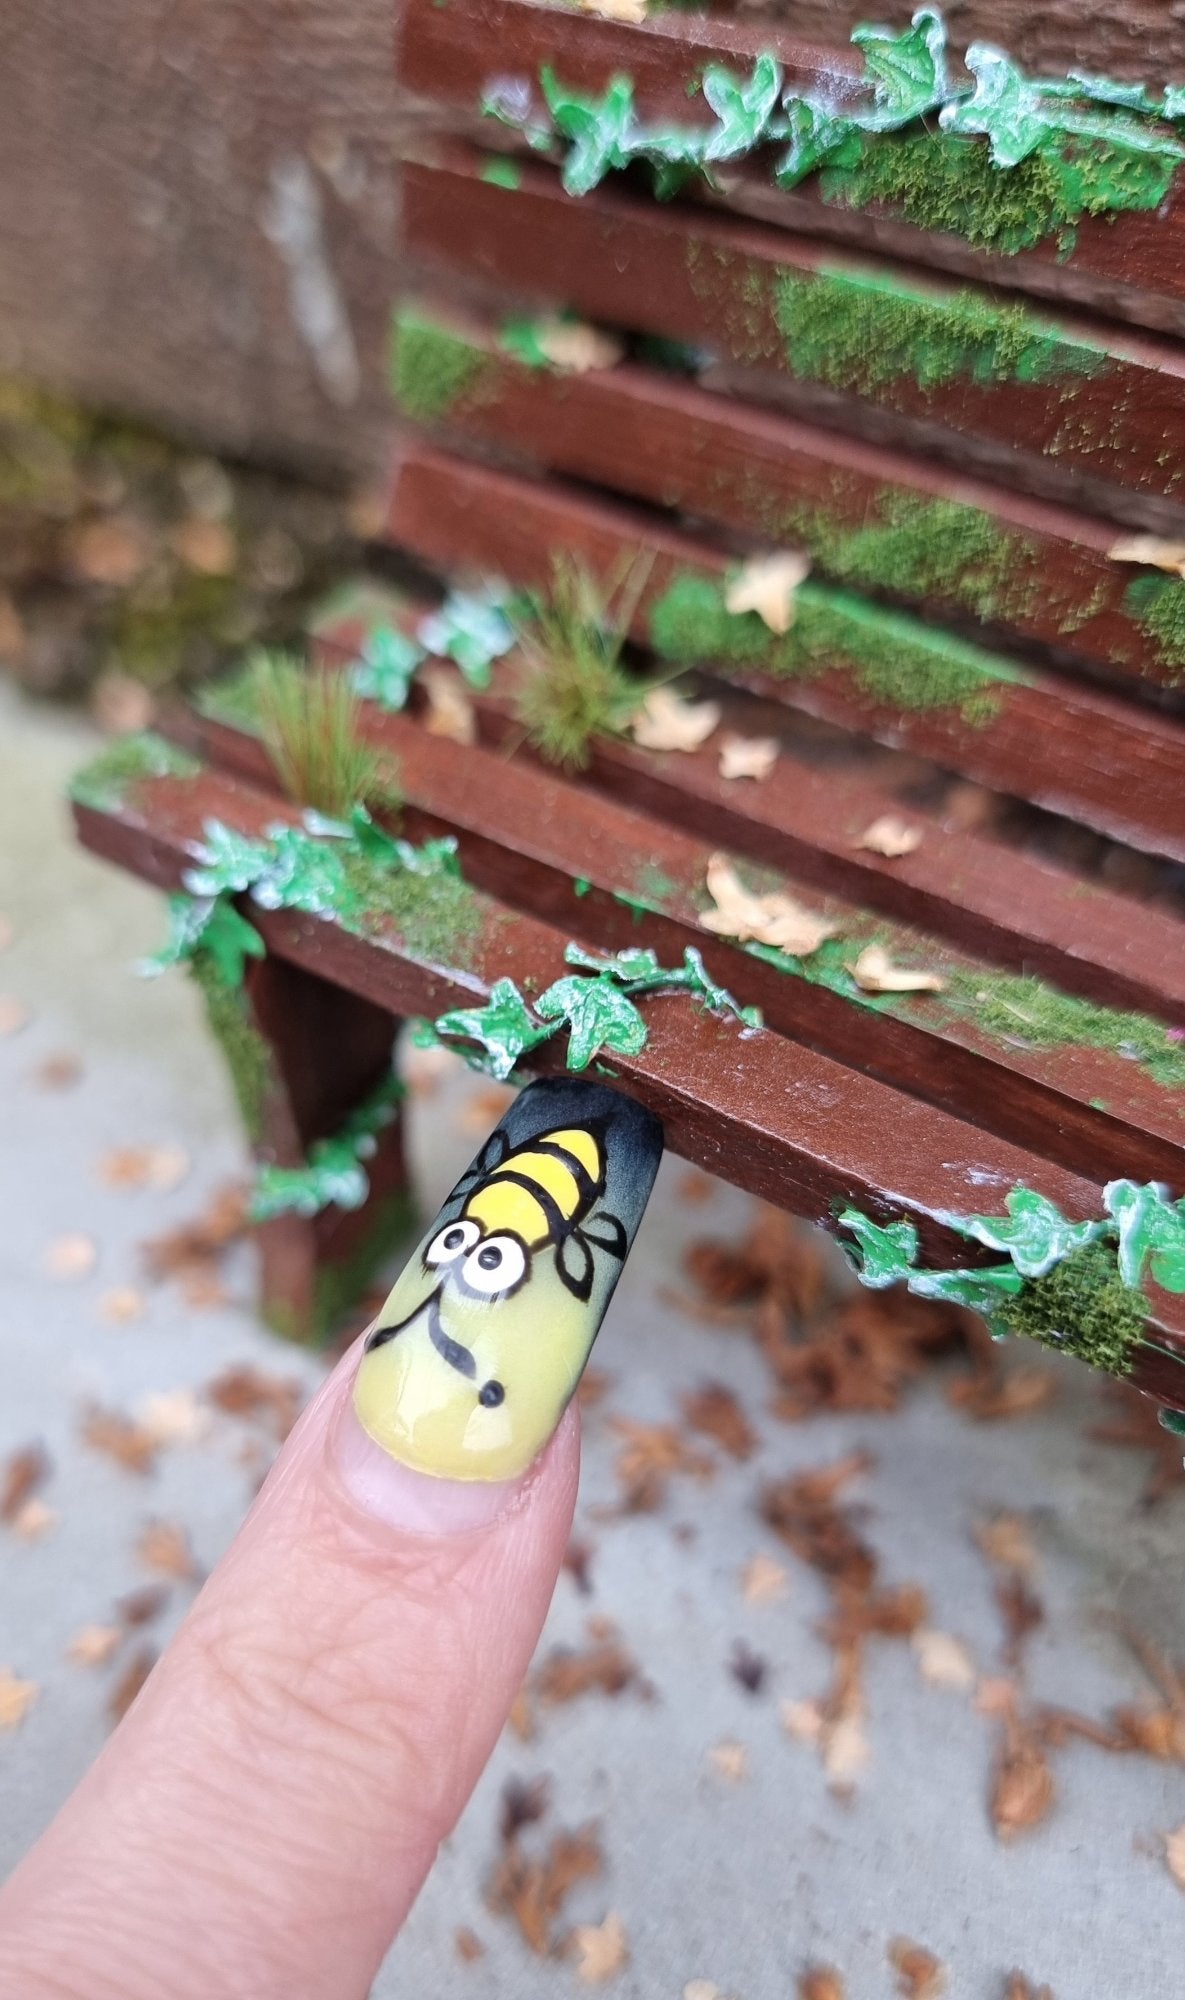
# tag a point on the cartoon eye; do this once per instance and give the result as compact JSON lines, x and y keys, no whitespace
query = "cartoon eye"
{"x":497,"y":1265}
{"x":451,"y":1242}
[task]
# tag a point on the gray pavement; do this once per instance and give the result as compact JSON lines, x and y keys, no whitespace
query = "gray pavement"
{"x":734,"y":1882}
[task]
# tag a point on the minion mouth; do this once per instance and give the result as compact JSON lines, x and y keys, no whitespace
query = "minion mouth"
{"x":453,"y":1351}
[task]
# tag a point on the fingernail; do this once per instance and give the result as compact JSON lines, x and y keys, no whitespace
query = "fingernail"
{"x":476,"y":1353}
{"x":412,"y":1501}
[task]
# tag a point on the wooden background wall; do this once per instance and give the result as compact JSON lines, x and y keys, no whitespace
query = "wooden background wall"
{"x":197,"y":199}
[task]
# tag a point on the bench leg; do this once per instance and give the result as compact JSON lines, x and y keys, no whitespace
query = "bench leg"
{"x":303,"y":1055}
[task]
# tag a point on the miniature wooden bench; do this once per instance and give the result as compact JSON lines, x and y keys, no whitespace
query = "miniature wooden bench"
{"x":959,"y":432}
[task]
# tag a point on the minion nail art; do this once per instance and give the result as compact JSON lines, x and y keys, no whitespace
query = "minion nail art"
{"x":485,"y":1336}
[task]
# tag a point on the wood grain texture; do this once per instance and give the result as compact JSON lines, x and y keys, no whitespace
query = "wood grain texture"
{"x":1079,"y":752}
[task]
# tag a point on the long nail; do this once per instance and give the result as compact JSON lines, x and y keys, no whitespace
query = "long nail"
{"x":478,"y":1350}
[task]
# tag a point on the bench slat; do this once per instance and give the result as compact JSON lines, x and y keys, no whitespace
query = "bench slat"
{"x":1077,"y":752}
{"x":949,"y":547}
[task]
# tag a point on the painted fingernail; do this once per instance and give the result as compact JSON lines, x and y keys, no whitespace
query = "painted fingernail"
{"x":478,"y":1350}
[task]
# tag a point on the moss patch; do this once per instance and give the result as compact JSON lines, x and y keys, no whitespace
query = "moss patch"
{"x":1014,"y":1008}
{"x":105,"y":782}
{"x":862,"y":333}
{"x":937,"y":180}
{"x":438,"y":915}
{"x":232,"y":699}
{"x":899,"y":663}
{"x":914,"y":547}
{"x":247,"y":1055}
{"x":431,"y":368}
{"x":1157,"y":603}
{"x":1082,"y":1307}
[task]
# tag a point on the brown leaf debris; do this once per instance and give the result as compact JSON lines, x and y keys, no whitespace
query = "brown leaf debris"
{"x":820,"y":1982}
{"x":132,"y":1679}
{"x":120,"y":1438}
{"x":601,"y":1951}
{"x":22,"y":1474}
{"x":244,"y":1391}
{"x":714,"y":1412}
{"x":920,"y":1976}
{"x":650,"y":1455}
{"x":605,"y":1667}
{"x":1017,"y":1987}
{"x":164,"y":1546}
{"x":533,"y":1890}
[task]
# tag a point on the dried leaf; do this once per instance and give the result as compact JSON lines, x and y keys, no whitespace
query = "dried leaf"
{"x":993,"y":1394}
{"x":450,"y":712}
{"x":522,"y":1805}
{"x":730,"y":1761}
{"x":920,"y":1976}
{"x":16,"y":1699}
{"x":820,"y":1982}
{"x":664,"y":722}
{"x":633,"y":12}
{"x":173,"y":1417}
{"x":891,"y":836}
{"x":128,"y":1443}
{"x":774,"y":919}
{"x":164,"y":1546}
{"x":14,"y":1015}
{"x":469,"y":1947}
{"x":533,"y":1892}
{"x":128,"y":1686}
{"x":574,"y":347}
{"x":1005,"y":1540}
{"x":715,"y":1412}
{"x":1020,"y":1988}
{"x":943,"y":1660}
{"x":34,"y":1520}
{"x":249,"y":1392}
{"x":601,"y":1950}
{"x":143,"y":1606}
{"x":748,"y":1667}
{"x":1151,"y":549}
{"x":58,"y":1072}
{"x":649,"y":1456}
{"x":748,"y":756}
{"x":94,"y":1645}
{"x":845,"y":1751}
{"x":21,"y":1475}
{"x":521,"y":1719}
{"x":1174,"y":1854}
{"x":70,"y":1257}
{"x":767,"y":585}
{"x":121,"y":1305}
{"x":874,"y":972}
{"x":121,"y":704}
{"x":567,"y":1672}
{"x":1023,"y":1789}
{"x":764,"y":1581}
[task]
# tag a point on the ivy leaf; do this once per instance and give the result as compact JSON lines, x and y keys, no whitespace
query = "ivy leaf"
{"x":907,"y":71}
{"x":187,"y":918}
{"x":1005,"y":104}
{"x":980,"y":1291}
{"x":1035,"y":1233}
{"x":230,"y":862}
{"x":305,"y":874}
{"x":717,"y":999}
{"x":333,"y":1177}
{"x":636,"y":966}
{"x":889,"y":1253}
{"x":1128,"y":96}
{"x":816,"y":137}
{"x":742,"y":109}
{"x":1150,"y":1227}
{"x":1174,"y":101}
{"x":512,"y":102}
{"x":384,"y":670}
{"x":602,"y":130}
{"x":599,"y":1015}
{"x":472,"y":629}
{"x":504,"y":1028}
{"x":230,"y":941}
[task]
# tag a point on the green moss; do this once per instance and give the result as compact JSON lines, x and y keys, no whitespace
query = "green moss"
{"x":914,"y":547}
{"x":438,"y":915}
{"x":104,"y":783}
{"x":942,"y":182}
{"x":339,"y":1285}
{"x":1082,"y":1307}
{"x":232,"y":699}
{"x":431,"y":367}
{"x":896,"y":661}
{"x":502,"y":173}
{"x":152,"y":636}
{"x":247,"y":1055}
{"x":1014,"y":1008}
{"x":1157,"y":603}
{"x":863,"y":333}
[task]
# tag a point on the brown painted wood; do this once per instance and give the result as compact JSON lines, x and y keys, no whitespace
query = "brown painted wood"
{"x":1128,"y":264}
{"x":682,"y":272}
{"x":645,"y":433}
{"x":1021,"y":912}
{"x":764,"y":1112}
{"x":1076,"y":751}
{"x":525,"y":836}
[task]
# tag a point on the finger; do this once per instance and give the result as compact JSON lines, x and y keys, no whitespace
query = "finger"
{"x":262,"y":1820}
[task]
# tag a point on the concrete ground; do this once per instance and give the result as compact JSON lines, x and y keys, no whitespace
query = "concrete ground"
{"x":736,"y":1880}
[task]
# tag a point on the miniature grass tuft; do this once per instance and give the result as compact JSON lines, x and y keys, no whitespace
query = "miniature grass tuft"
{"x":1017,"y":1008}
{"x":310,"y":723}
{"x":574,"y":686}
{"x":1081,"y":1307}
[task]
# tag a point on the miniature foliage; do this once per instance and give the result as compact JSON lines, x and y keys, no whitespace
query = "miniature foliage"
{"x":574,"y":685}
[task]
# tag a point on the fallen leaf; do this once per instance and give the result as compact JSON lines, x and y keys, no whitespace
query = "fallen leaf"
{"x":450,"y":713}
{"x":120,"y":704}
{"x":748,"y":756}
{"x":143,"y":1606}
{"x":730,"y":1761}
{"x":1151,"y":549}
{"x":522,"y":1805}
{"x":601,"y":1950}
{"x":766,"y":585}
{"x":14,"y":1015}
{"x":34,"y":1520}
{"x":174,"y":1416}
{"x":21,"y":1474}
{"x":649,"y":1456}
{"x":128,"y":1686}
{"x":664,"y":722}
{"x":94,"y":1645}
{"x":942,"y":1659}
{"x":996,"y":1393}
{"x":801,"y":1720}
{"x":891,"y":836}
{"x":521,"y":1718}
{"x":249,"y":1392}
{"x":16,"y":1698}
{"x":206,"y":546}
{"x":567,"y":1672}
{"x":633,"y":12}
{"x":1020,"y":1988}
{"x":160,"y":1167}
{"x":845,"y":1751}
{"x":574,"y":347}
{"x":820,"y":1982}
{"x":164,"y":1546}
{"x":702,"y":1989}
{"x":425,"y":1070}
{"x":533,"y":1891}
{"x":70,"y":1257}
{"x":1005,"y":1540}
{"x":482,"y":1108}
{"x":58,"y":1072}
{"x":748,"y":1667}
{"x":774,"y":918}
{"x":121,"y":1305}
{"x":577,"y":1564}
{"x":874,"y":972}
{"x":1023,"y":1789}
{"x":920,"y":1976}
{"x":764,"y":1581}
{"x":695,"y":1187}
{"x":128,"y":1443}
{"x":469,"y":1947}
{"x":1174,"y":1854}
{"x":715,"y":1412}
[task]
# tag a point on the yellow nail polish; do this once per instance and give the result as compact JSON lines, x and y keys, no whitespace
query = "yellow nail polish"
{"x":479,"y":1347}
